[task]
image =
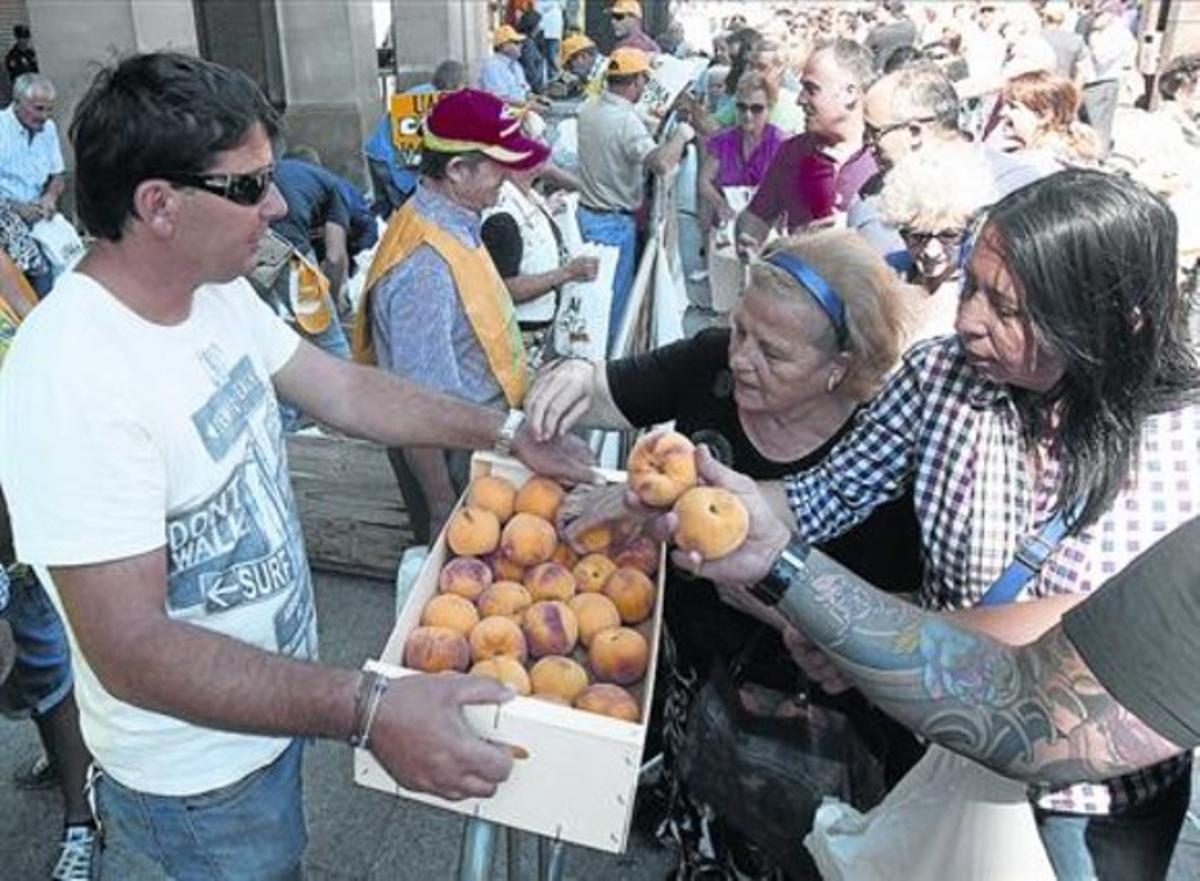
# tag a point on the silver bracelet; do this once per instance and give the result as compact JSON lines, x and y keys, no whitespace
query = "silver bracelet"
{"x":362,"y":737}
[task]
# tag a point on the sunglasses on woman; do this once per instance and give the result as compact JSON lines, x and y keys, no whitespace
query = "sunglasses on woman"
{"x":241,"y":189}
{"x":949,"y":238}
{"x":756,"y":109}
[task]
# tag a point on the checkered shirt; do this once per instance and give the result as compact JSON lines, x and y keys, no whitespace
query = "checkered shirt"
{"x":955,"y":436}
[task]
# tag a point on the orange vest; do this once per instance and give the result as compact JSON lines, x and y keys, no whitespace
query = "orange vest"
{"x":481,"y":290}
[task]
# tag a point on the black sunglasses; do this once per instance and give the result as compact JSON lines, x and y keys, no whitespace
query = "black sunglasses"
{"x":241,"y":189}
{"x":756,"y":109}
{"x":948,"y":237}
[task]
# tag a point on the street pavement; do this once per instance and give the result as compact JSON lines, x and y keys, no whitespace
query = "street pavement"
{"x":356,"y":834}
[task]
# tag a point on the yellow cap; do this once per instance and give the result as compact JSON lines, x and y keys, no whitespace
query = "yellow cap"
{"x":627,"y":7}
{"x":627,"y":61}
{"x":506,"y":33}
{"x":575,"y":44}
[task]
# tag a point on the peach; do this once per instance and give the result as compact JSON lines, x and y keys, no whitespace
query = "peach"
{"x":450,"y":610}
{"x":505,"y":598}
{"x":540,"y":496}
{"x":662,"y":466}
{"x":550,"y":628}
{"x":528,"y":539}
{"x":642,"y":553}
{"x":465,"y":576}
{"x":436,"y":649}
{"x":594,"y":612}
{"x":558,"y":676}
{"x":504,"y":669}
{"x":632,"y":592}
{"x":595,"y":540}
{"x":550,"y":581}
{"x":493,"y":494}
{"x":712,"y":521}
{"x":619,"y":655}
{"x":608,"y":700}
{"x":565,"y":554}
{"x":473,"y":531}
{"x":497,"y":635}
{"x":503,"y":569}
{"x":592,"y":571}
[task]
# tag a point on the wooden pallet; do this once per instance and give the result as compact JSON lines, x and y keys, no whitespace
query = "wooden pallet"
{"x":350,"y":506}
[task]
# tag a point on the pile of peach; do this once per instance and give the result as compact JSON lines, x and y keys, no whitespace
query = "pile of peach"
{"x":519,"y":605}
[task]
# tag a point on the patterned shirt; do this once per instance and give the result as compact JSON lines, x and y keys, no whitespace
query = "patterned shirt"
{"x":417,"y":320}
{"x":27,"y":159}
{"x":956,"y":437}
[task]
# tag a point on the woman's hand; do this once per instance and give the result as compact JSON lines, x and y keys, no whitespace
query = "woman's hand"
{"x":560,"y":395}
{"x":583,"y":269}
{"x":725,"y":214}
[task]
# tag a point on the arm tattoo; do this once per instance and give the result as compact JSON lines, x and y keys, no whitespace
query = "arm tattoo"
{"x":1034,"y":712}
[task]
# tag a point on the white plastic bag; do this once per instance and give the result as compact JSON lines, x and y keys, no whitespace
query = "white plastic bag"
{"x":948,"y":818}
{"x":60,"y":243}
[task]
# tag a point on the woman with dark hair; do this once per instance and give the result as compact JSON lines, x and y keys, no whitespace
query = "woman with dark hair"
{"x":1069,"y":390}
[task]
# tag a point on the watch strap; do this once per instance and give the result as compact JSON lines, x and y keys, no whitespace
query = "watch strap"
{"x":508,"y":432}
{"x":790,"y":563}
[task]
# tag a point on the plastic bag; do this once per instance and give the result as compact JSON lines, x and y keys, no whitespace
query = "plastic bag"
{"x":60,"y":243}
{"x":949,"y":817}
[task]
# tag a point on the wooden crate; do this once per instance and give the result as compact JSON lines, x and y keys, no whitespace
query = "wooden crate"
{"x":350,"y":506}
{"x":579,"y":781}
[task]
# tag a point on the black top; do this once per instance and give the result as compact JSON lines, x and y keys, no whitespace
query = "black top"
{"x":19,"y":61}
{"x":1137,"y":633}
{"x":502,"y":238}
{"x":690,"y":382}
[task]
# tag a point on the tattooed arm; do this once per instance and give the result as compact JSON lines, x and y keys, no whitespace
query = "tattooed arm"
{"x":1033,"y":712}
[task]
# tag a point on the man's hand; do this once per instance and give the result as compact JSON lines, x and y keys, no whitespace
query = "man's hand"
{"x":422,"y":739}
{"x":559,"y":397}
{"x":583,"y":268}
{"x":565,"y":458}
{"x":814,"y":662}
{"x":767,"y":537}
{"x":30,"y":212}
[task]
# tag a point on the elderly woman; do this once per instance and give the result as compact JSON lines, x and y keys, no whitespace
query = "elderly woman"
{"x":1040,"y":115}
{"x":931,"y":196}
{"x":1067,"y":397}
{"x":815,"y":334}
{"x":739,"y":155}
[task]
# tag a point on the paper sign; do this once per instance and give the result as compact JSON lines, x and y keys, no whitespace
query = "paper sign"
{"x":407,"y":110}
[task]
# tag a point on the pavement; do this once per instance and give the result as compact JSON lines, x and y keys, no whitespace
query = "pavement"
{"x":357,"y":834}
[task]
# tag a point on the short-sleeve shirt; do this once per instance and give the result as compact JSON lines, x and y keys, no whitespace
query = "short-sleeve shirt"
{"x":313,"y":197}
{"x":804,"y":183}
{"x":505,"y":78}
{"x":735,"y":169}
{"x":1137,"y":634}
{"x":27,"y":159}
{"x":613,"y":144}
{"x":120,"y":437}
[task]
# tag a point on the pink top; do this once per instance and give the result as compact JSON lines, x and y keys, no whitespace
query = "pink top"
{"x":735,"y":170}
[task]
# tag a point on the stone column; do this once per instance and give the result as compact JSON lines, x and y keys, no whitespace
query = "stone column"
{"x":428,"y":32}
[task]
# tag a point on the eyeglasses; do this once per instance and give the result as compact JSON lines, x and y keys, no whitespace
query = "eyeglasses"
{"x":949,"y":238}
{"x":874,"y":134}
{"x":619,"y":16}
{"x":241,"y":189}
{"x":756,"y":109}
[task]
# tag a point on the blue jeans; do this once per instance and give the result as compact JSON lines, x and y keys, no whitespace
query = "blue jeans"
{"x":1135,"y":845}
{"x":619,"y":230}
{"x":41,"y":676}
{"x":251,"y":830}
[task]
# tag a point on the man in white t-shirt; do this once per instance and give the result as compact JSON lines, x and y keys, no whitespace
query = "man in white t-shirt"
{"x":144,"y":465}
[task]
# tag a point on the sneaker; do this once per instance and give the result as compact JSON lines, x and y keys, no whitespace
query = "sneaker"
{"x":79,"y":845}
{"x":38,"y":774}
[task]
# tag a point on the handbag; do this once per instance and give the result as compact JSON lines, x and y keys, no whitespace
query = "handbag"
{"x":950,"y":817}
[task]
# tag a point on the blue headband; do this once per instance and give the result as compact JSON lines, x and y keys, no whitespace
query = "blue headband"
{"x":812,"y":281}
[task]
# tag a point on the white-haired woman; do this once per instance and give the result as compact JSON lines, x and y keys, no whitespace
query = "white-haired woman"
{"x":931,"y":196}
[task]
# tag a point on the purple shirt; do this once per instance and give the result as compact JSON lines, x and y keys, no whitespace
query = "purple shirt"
{"x":803,"y":183}
{"x":639,"y":40}
{"x":734,"y":169}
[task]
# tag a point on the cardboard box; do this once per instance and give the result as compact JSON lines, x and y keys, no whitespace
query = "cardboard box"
{"x":579,"y":781}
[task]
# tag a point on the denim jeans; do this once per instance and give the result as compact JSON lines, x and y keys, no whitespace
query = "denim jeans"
{"x":619,"y":230}
{"x":251,"y":830}
{"x":1135,"y":845}
{"x":41,"y":677}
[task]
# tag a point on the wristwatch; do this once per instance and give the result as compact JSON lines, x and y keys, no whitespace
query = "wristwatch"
{"x":508,"y":431}
{"x":787,"y":566}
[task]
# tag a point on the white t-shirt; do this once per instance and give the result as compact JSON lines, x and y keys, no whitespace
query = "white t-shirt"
{"x":119,"y":436}
{"x":551,"y":12}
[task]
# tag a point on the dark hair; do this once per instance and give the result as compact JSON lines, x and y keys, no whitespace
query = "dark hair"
{"x":1095,"y":257}
{"x":928,"y":91}
{"x":741,"y":44}
{"x":21,"y":31}
{"x":434,"y":162}
{"x":449,"y":76}
{"x":899,"y":57}
{"x":152,"y":114}
{"x":1181,"y":71}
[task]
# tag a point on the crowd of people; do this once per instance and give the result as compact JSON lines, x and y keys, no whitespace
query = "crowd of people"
{"x":957,"y":394}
